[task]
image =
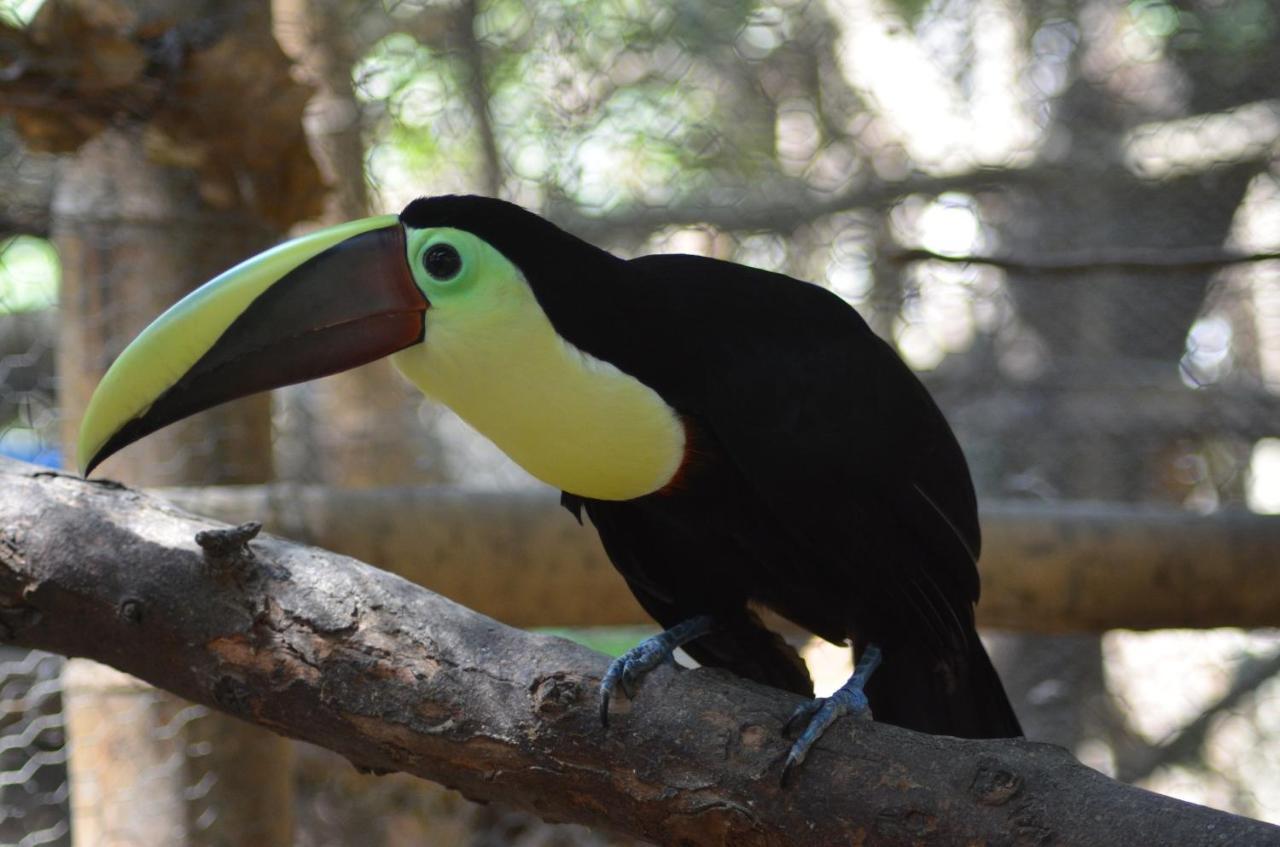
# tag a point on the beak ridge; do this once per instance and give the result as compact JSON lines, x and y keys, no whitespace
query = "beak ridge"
{"x":324,"y":303}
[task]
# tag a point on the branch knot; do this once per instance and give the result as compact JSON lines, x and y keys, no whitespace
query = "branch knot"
{"x":229,"y":545}
{"x":994,"y":784}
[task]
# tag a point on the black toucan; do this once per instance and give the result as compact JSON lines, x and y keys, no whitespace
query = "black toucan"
{"x":740,"y":439}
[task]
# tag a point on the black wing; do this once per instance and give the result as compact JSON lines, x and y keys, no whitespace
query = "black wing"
{"x":841,"y":451}
{"x":842,"y":443}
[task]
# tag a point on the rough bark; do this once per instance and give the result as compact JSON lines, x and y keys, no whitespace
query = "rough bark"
{"x":394,"y":677}
{"x":1048,"y":568}
{"x":82,"y":67}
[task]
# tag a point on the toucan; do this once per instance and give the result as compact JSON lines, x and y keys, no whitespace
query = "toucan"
{"x":740,"y":439}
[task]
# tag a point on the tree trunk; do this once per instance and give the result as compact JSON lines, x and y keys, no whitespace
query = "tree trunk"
{"x":134,"y":236}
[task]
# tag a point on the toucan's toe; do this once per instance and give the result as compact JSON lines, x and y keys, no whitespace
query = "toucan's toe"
{"x":822,"y":712}
{"x":627,"y":670}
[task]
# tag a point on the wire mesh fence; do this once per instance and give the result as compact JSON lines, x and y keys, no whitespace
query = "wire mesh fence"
{"x":33,"y":751}
{"x":1064,"y":215}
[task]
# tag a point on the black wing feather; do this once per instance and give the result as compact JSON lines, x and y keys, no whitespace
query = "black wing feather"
{"x":843,"y":500}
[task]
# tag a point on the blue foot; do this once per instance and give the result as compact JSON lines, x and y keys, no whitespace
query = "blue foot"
{"x":820,"y":713}
{"x":627,"y":669}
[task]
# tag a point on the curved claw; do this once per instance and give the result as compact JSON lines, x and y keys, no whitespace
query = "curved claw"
{"x":627,"y":670}
{"x":823,"y":711}
{"x":803,"y":712}
{"x":608,"y":684}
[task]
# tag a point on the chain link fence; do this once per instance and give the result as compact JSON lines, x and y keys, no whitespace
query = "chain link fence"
{"x":1063,"y":214}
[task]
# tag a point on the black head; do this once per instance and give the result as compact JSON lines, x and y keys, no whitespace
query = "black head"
{"x":543,"y":251}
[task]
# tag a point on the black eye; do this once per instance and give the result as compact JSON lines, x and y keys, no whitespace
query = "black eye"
{"x":442,"y":261}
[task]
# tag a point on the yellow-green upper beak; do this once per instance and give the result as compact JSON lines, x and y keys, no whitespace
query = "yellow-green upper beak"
{"x":323,"y":303}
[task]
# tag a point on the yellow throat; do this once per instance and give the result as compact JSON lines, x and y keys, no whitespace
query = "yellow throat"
{"x":570,"y":419}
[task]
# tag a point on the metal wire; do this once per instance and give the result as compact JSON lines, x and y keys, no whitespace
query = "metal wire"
{"x":1063,"y":214}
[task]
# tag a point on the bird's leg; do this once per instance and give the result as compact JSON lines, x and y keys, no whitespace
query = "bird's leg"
{"x":627,"y":669}
{"x":823,"y":711}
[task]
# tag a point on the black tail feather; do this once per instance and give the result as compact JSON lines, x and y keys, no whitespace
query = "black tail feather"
{"x":964,"y":697}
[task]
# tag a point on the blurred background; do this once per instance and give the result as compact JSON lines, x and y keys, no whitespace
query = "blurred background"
{"x":1064,"y":214}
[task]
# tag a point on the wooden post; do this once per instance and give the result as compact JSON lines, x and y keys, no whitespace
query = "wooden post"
{"x":133,"y":237}
{"x":1047,"y":568}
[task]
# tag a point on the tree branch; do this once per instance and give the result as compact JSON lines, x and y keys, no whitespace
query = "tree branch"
{"x":326,"y":649}
{"x":476,"y":86}
{"x":1132,"y":260}
{"x":781,"y":205}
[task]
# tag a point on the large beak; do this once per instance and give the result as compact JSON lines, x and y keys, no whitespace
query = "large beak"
{"x":323,"y":303}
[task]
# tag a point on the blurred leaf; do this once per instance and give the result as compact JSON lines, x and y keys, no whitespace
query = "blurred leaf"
{"x":28,"y":274}
{"x":18,"y":12}
{"x":910,"y":10}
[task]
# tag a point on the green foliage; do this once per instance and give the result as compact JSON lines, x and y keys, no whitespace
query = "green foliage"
{"x":604,"y":102}
{"x":910,"y":10}
{"x":1156,"y":18}
{"x":1230,"y":29}
{"x":613,"y":641}
{"x":28,"y":274}
{"x":18,"y":12}
{"x":1245,"y":26}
